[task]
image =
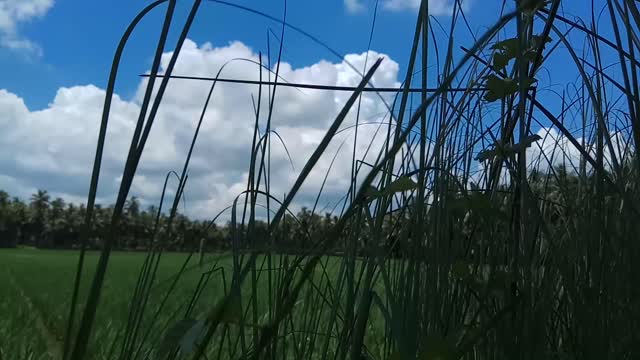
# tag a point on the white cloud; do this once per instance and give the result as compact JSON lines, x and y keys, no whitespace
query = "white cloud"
{"x":353,"y":6}
{"x":15,"y":12}
{"x":555,"y":149}
{"x":53,"y":148}
{"x":436,"y":7}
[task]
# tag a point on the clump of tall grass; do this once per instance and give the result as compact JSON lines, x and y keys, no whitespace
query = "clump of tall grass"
{"x":478,"y":244}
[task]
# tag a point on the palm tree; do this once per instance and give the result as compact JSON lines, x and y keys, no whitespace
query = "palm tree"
{"x":18,"y":219}
{"x":5,"y":236}
{"x":56,"y":224}
{"x":4,"y":199}
{"x":132,"y":206}
{"x":40,"y":207}
{"x":130,"y":225}
{"x":57,"y":207}
{"x":73,"y":221}
{"x":40,"y":200}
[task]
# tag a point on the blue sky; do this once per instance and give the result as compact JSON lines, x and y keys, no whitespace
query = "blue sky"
{"x":78,"y":38}
{"x":56,"y":55}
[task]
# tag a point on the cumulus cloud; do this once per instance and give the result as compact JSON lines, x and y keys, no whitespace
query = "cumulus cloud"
{"x":353,"y":6}
{"x":436,"y":7}
{"x":555,"y":149}
{"x":15,"y":12}
{"x":53,"y":148}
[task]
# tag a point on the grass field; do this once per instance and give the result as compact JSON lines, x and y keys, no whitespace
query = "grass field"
{"x":36,"y":285}
{"x":35,"y":290}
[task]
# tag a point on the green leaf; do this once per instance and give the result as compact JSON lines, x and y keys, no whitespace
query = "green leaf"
{"x":403,"y":183}
{"x":507,"y":50}
{"x":173,"y":336}
{"x":500,"y":60}
{"x":507,"y":150}
{"x":498,"y":88}
{"x":508,"y":47}
{"x":536,"y":40}
{"x":532,"y":6}
{"x":525,"y":143}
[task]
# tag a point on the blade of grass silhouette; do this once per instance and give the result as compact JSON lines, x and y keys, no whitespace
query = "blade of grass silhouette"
{"x":323,"y":144}
{"x":364,"y":68}
{"x":459,"y":123}
{"x":215,"y":315}
{"x":254,"y":140}
{"x":127,"y":178}
{"x":544,"y":35}
{"x":369,"y":178}
{"x":144,"y":282}
{"x":326,"y":175}
{"x":633,"y":102}
{"x":565,"y":132}
{"x":592,"y":95}
{"x":96,"y":169}
{"x":588,"y":31}
{"x":349,"y":315}
{"x":255,"y":146}
{"x":263,"y":140}
{"x":267,"y":144}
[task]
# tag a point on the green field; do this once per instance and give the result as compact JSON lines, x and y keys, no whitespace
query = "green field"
{"x":35,"y":290}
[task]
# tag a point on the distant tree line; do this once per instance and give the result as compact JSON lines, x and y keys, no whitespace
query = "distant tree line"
{"x":44,"y":222}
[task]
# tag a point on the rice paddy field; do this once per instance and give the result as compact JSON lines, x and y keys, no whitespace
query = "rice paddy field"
{"x":36,"y":293}
{"x":36,"y":288}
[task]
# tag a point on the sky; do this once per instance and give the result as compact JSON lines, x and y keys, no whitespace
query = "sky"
{"x":56,"y":56}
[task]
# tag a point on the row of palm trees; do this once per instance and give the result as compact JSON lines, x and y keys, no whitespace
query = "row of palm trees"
{"x":53,"y":223}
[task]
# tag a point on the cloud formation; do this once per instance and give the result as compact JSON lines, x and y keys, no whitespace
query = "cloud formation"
{"x":555,"y":149}
{"x":15,"y":12}
{"x":53,"y":148}
{"x":436,"y":7}
{"x":354,"y":6}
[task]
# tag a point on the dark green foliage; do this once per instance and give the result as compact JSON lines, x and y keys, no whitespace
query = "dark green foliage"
{"x":508,"y":150}
{"x":59,"y":226}
{"x":499,"y":88}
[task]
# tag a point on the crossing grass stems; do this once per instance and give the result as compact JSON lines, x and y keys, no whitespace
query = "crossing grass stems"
{"x":508,"y":257}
